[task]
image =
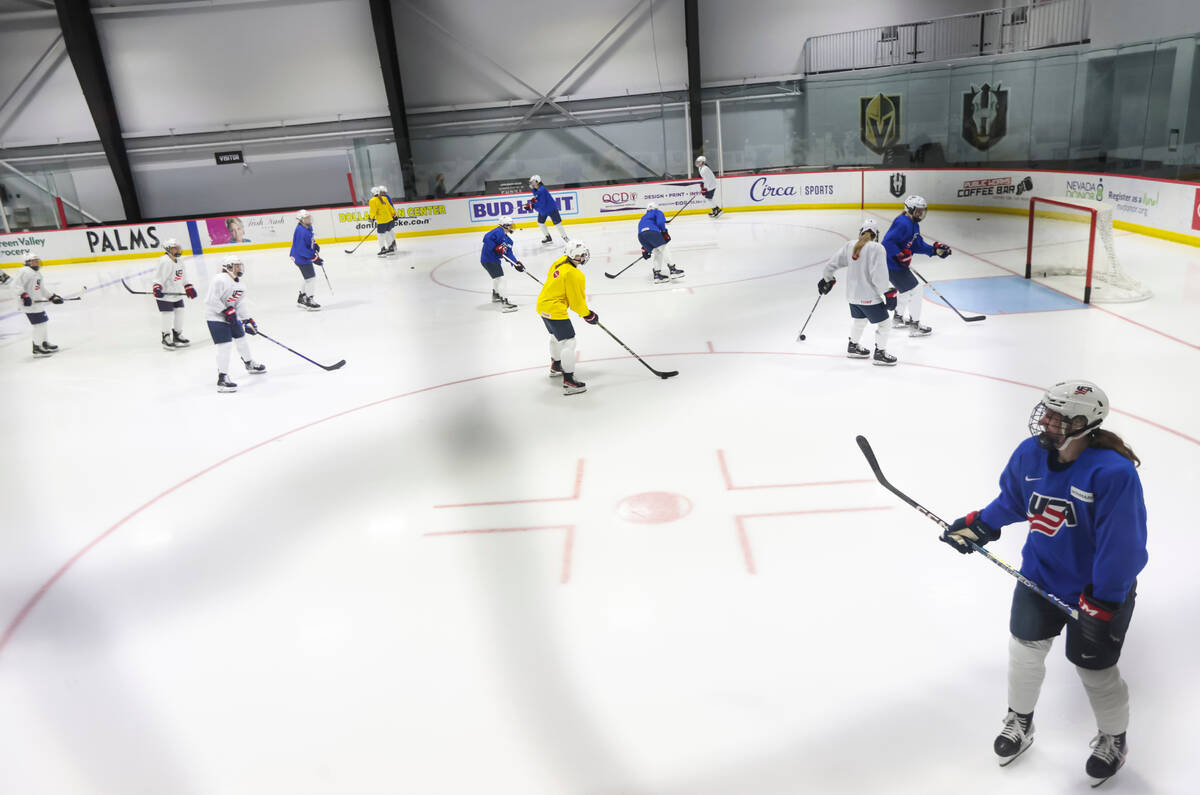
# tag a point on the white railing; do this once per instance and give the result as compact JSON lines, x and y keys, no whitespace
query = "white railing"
{"x":1048,"y":23}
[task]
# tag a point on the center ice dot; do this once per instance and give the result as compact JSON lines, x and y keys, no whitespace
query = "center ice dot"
{"x":654,"y":507}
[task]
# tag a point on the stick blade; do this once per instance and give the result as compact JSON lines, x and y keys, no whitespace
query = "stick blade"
{"x":869,"y":454}
{"x":332,"y":367}
{"x":610,"y":275}
{"x":668,"y":374}
{"x":975,"y":318}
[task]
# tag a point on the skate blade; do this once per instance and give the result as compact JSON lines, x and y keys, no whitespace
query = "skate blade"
{"x":1006,"y":761}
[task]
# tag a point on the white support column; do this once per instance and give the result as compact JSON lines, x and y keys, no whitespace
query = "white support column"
{"x":687,"y":132}
{"x":720,"y":144}
{"x":4,"y":218}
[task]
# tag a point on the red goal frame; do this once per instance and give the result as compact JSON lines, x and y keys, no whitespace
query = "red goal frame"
{"x":1087,"y":285}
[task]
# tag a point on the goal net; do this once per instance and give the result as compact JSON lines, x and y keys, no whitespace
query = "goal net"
{"x":1070,"y":246}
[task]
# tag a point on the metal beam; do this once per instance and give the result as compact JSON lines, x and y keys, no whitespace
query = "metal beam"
{"x":389,"y":64}
{"x":29,"y":84}
{"x":691,"y":25}
{"x":83,"y":45}
{"x":42,"y":188}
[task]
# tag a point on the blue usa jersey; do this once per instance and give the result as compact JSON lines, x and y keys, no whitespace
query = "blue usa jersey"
{"x":494,"y":238}
{"x":904,"y":233}
{"x":653,"y":220}
{"x":303,"y":248}
{"x":1087,"y":520}
{"x":543,"y":202}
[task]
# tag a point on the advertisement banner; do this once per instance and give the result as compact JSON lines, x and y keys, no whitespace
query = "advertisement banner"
{"x":488,"y":209}
{"x":95,"y":244}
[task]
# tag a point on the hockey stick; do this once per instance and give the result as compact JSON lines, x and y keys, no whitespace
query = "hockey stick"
{"x":523,"y":269}
{"x":144,"y":292}
{"x":970,"y":319}
{"x":627,"y":267}
{"x":334,"y":366}
{"x":327,"y":278}
{"x":659,"y":373}
{"x":684,"y":207}
{"x":79,"y":297}
{"x":356,"y":245}
{"x":801,"y":336}
{"x":865,"y":446}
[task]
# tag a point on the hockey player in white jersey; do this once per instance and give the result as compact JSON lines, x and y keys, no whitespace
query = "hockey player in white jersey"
{"x":708,"y":187}
{"x":227,"y":321}
{"x":30,"y":293}
{"x":868,"y":290}
{"x":170,"y":285}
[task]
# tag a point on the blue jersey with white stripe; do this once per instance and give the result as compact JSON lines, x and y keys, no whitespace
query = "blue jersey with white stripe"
{"x":904,"y":233}
{"x":1087,"y":520}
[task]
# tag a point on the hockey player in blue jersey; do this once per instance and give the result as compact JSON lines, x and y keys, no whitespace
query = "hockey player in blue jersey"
{"x":543,"y":204}
{"x":654,"y":237}
{"x":497,"y":246}
{"x":903,"y":239}
{"x":1077,"y":486}
{"x":305,"y":255}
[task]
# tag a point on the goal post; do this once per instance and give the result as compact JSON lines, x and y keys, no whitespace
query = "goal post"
{"x":1053,"y":248}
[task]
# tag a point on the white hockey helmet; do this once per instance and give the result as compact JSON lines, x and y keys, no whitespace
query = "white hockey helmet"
{"x":171,"y":243}
{"x":916,"y":206}
{"x":32,"y":258}
{"x":233,"y":264}
{"x":651,"y":205}
{"x":869,"y":225}
{"x":383,"y":189}
{"x":375,"y":191}
{"x":302,"y":214}
{"x":701,"y":160}
{"x":1076,"y":400}
{"x":507,"y":222}
{"x":535,"y":180}
{"x":578,"y":252}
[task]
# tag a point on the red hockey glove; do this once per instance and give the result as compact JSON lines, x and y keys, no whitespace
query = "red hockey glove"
{"x":666,"y":236}
{"x":230,"y":314}
{"x":904,"y":257}
{"x":26,"y":300}
{"x":645,"y":253}
{"x":158,"y":291}
{"x":189,"y":291}
{"x":941,"y":250}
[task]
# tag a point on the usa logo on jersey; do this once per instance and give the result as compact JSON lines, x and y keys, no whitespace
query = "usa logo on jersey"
{"x":1048,"y":515}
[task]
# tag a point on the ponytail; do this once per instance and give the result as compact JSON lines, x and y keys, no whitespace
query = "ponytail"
{"x":863,"y":239}
{"x":1107,"y":440}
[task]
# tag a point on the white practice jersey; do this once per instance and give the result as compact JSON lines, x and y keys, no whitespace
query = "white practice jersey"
{"x":710,"y":179}
{"x":224,"y":292}
{"x":866,"y":275}
{"x":171,"y":276}
{"x":30,"y":281}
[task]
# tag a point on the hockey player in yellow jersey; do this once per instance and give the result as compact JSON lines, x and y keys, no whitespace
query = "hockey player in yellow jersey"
{"x":564,"y":289}
{"x":383,"y":213}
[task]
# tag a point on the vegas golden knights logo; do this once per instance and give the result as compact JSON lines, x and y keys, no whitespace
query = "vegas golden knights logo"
{"x":879,"y":121}
{"x":984,"y":115}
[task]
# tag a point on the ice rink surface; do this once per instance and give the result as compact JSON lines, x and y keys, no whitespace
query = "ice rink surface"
{"x":430,"y":572}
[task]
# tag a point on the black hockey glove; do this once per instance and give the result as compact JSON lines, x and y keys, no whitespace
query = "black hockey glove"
{"x":592,"y":318}
{"x":230,"y":314}
{"x":941,"y":250}
{"x":666,"y":237}
{"x":645,"y":253}
{"x":1096,"y":619}
{"x":889,"y":300}
{"x":969,"y":528}
{"x":56,"y":299}
{"x":825,"y":285}
{"x":250,"y":326}
{"x":518,"y":266}
{"x":4,"y":277}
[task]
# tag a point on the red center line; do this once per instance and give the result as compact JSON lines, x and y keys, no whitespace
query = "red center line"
{"x":573,"y":496}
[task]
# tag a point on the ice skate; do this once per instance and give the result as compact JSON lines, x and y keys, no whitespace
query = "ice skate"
{"x":224,"y":384}
{"x":310,"y":304}
{"x":253,"y":367}
{"x":382,"y":252}
{"x":496,"y":297}
{"x":856,"y":351}
{"x":38,"y":350}
{"x":675,"y":273}
{"x":180,"y":340}
{"x":547,"y":239}
{"x":167,"y":342}
{"x":48,"y":348}
{"x":391,"y":249}
{"x":1014,"y":738}
{"x":658,"y":277}
{"x":571,"y":386}
{"x":716,"y":212}
{"x":507,"y":306}
{"x":898,"y":321}
{"x":915,"y":329}
{"x":883,"y":358}
{"x":1108,"y":755}
{"x":556,"y":370}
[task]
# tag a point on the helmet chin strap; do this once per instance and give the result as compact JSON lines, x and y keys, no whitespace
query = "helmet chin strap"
{"x":1087,"y":429}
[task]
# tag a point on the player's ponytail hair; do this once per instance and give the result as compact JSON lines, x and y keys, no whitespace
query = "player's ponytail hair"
{"x":1107,"y":440}
{"x":863,"y":239}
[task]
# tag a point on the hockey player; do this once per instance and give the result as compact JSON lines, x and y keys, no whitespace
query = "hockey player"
{"x":305,"y":253}
{"x":545,"y":206}
{"x":227,"y":323}
{"x":903,"y":239}
{"x":654,"y":237}
{"x":708,"y":185}
{"x":1077,"y":486}
{"x":564,"y":289}
{"x":30,"y":293}
{"x":383,"y":213}
{"x":171,"y":282}
{"x":497,"y":246}
{"x":867,"y":289}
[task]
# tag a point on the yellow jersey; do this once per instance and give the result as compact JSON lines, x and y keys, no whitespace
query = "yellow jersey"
{"x":380,"y":210}
{"x":563,"y":289}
